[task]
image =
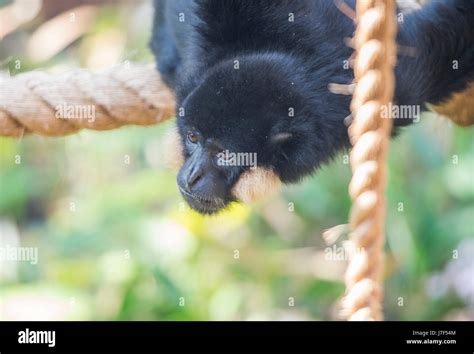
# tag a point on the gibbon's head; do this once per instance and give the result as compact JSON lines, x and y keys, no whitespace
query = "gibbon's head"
{"x":243,"y":130}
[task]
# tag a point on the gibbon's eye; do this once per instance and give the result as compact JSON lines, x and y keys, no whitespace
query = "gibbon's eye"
{"x":192,"y":138}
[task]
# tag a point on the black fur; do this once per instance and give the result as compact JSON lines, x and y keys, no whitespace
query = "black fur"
{"x":442,"y":32}
{"x":286,"y":65}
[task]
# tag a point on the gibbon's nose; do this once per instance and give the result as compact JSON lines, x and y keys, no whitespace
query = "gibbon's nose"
{"x":193,"y":177}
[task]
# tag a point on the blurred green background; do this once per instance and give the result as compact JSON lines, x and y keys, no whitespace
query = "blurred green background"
{"x":116,"y":242}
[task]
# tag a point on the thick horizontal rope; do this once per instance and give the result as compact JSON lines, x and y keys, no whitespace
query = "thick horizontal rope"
{"x":369,"y":132}
{"x":56,"y":105}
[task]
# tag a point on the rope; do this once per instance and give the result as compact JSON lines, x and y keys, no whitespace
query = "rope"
{"x":369,"y":133}
{"x":55,"y":105}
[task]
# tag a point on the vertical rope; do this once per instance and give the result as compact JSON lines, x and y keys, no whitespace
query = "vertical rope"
{"x":369,"y":132}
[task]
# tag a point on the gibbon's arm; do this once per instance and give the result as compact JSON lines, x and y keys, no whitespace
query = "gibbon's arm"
{"x":437,"y":52}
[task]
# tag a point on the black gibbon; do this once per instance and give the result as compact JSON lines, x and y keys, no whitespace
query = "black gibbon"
{"x":252,"y":76}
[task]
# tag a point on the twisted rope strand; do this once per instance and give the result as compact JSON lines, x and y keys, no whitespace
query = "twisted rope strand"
{"x":125,"y":94}
{"x":369,"y":132}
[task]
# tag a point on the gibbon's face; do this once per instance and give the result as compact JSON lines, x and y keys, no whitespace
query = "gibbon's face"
{"x":239,"y":135}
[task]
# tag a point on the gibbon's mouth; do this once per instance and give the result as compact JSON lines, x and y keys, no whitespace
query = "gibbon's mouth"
{"x":201,"y":204}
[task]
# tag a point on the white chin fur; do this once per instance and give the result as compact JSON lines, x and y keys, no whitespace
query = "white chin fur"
{"x":256,"y":184}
